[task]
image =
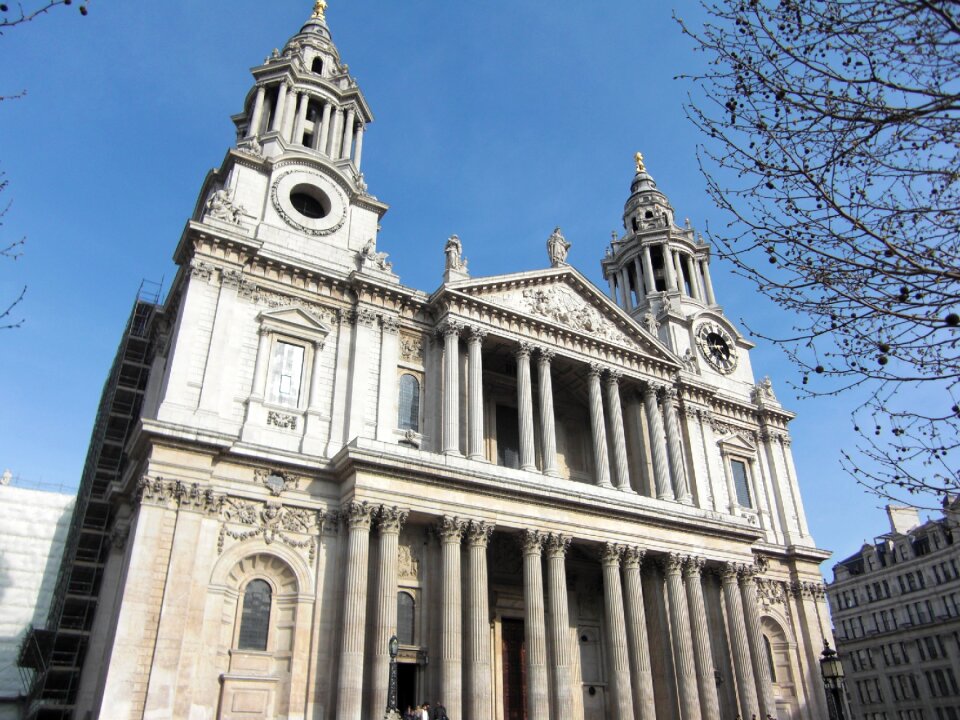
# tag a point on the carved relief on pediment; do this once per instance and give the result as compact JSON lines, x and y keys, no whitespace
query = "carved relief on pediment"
{"x":562,"y":305}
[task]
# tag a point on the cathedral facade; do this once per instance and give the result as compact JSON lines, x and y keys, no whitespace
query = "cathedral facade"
{"x":564,"y":502}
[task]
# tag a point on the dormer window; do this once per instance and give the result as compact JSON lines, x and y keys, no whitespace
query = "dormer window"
{"x":317,"y":66}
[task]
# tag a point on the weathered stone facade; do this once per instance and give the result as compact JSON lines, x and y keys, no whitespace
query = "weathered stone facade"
{"x":564,"y":504}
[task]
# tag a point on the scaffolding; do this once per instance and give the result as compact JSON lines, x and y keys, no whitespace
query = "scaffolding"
{"x":51,"y":658}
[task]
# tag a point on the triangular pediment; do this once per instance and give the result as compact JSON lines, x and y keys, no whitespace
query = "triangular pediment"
{"x":736,"y":442}
{"x":563,"y":297}
{"x":294,"y":321}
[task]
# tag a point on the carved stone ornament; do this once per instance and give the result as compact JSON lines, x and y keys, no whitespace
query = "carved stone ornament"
{"x":390,"y":324}
{"x":369,"y":259}
{"x":556,"y":545}
{"x":173,"y":493}
{"x":271,"y":521}
{"x":771,"y":592}
{"x":412,"y":438}
{"x":557,"y":248}
{"x":251,"y":146}
{"x":479,"y":533}
{"x":279,"y":195}
{"x":673,"y":563}
{"x":365,"y":316}
{"x":119,"y":534}
{"x":611,"y":553}
{"x":276,"y":481}
{"x":453,"y":252}
{"x":411,"y":349}
{"x":763,"y":391}
{"x":730,"y":573}
{"x":531,"y":541}
{"x":450,"y":529}
{"x":201,"y":270}
{"x":358,"y":515}
{"x":693,"y":566}
{"x":633,"y":556}
{"x":563,"y":306}
{"x":221,"y":206}
{"x":408,"y":562}
{"x":391,"y":519}
{"x":281,"y":420}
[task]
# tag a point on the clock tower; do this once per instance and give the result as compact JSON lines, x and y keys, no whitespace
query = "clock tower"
{"x":659,"y":273}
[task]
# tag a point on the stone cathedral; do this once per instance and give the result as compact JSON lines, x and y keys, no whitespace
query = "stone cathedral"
{"x":565,"y":502}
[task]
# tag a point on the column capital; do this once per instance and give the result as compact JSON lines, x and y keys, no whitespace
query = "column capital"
{"x":525,"y":349}
{"x":358,"y":515}
{"x":668,"y":392}
{"x":673,"y":563}
{"x":596,"y":369}
{"x":613,"y":376}
{"x":653,"y":386}
{"x":450,"y":529}
{"x":611,"y":554}
{"x":532,"y":542}
{"x":556,"y":545}
{"x":747,"y":573}
{"x":546,"y":355}
{"x":478,"y":533}
{"x":391,"y":519}
{"x":729,"y":573}
{"x":450,"y":327}
{"x":476,"y":334}
{"x":633,"y":556}
{"x":693,"y":566}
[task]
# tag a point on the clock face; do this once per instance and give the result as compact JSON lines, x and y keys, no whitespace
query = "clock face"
{"x":717,"y":347}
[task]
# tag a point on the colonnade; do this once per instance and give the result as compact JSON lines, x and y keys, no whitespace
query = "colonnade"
{"x":605,"y":398}
{"x":551,"y":690}
{"x":679,"y":269}
{"x":333,"y":130}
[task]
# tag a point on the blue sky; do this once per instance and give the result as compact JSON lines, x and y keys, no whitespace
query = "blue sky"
{"x":497,"y":121}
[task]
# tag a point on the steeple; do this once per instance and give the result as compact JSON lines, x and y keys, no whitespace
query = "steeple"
{"x":656,"y":267}
{"x":304,"y":100}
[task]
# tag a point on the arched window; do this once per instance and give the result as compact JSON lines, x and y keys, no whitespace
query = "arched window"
{"x":409,"y":410}
{"x":406,"y":618}
{"x":255,"y":617}
{"x":773,"y":666}
{"x":317,"y":66}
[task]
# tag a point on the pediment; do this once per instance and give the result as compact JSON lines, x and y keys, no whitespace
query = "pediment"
{"x":294,"y":321}
{"x":736,"y":442}
{"x":564,"y":298}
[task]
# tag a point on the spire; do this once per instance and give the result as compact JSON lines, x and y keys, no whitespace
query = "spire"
{"x":318,"y":20}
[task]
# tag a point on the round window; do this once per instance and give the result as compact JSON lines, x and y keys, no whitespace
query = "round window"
{"x":310,"y":201}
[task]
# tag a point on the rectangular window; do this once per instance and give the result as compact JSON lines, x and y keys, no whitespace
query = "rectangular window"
{"x":508,"y":437}
{"x":741,"y":482}
{"x":286,"y":372}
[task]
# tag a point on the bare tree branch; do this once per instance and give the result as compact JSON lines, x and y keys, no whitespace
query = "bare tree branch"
{"x":834,"y":145}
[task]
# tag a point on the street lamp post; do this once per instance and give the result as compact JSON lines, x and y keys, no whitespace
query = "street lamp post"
{"x":832,"y":670}
{"x":392,"y":713}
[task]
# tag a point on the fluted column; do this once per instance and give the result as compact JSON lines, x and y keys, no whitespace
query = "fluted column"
{"x":333,"y":143}
{"x":621,"y":472}
{"x":450,"y":530}
{"x":350,"y":682}
{"x":281,"y":107}
{"x":742,"y":666}
{"x":358,"y":148}
{"x":257,"y":115}
{"x":694,"y":278}
{"x":475,"y":448}
{"x":658,"y":447}
{"x":648,"y":270}
{"x":751,"y":616}
{"x":562,"y":660}
{"x":707,"y":283}
{"x":525,"y":407}
{"x":548,"y":426}
{"x":598,"y":425}
{"x":682,"y":646}
{"x":669,"y":268}
{"x":622,"y":696}
{"x":298,"y":126}
{"x":450,"y":435}
{"x":642,"y":290}
{"x":538,"y":692}
{"x":702,"y":654}
{"x":347,"y":134}
{"x":289,"y":114}
{"x":478,"y":698}
{"x":389,"y":520}
{"x":324,"y":134}
{"x":681,"y":488}
{"x":644,"y":704}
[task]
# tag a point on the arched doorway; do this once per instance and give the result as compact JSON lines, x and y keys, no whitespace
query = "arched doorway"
{"x":779,"y":651}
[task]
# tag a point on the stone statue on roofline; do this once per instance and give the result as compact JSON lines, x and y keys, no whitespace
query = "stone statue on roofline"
{"x":557,"y":248}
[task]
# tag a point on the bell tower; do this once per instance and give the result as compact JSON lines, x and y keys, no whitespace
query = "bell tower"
{"x":294,"y":182}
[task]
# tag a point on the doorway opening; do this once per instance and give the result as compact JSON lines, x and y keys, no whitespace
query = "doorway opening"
{"x":406,"y":686}
{"x":514,"y":670}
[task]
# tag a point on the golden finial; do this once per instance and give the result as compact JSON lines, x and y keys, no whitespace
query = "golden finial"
{"x":640,"y":166}
{"x":319,"y":8}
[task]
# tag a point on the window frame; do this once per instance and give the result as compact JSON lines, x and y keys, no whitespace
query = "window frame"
{"x":271,"y":616}
{"x":418,"y":377}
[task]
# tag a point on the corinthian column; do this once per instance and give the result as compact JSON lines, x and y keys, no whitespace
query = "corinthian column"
{"x":450,"y":530}
{"x":451,"y":388}
{"x":525,"y":407}
{"x":682,"y":647}
{"x":706,"y":680}
{"x":622,"y":698}
{"x":538,"y":692}
{"x":556,"y":546}
{"x":350,"y":682}
{"x":761,"y":672}
{"x":547,"y":421}
{"x":390,"y":520}
{"x":738,"y":639}
{"x":658,"y":448}
{"x":597,"y":423}
{"x":681,"y":488}
{"x":642,"y":681}
{"x":475,"y":396}
{"x":621,"y":473}
{"x":478,"y":701}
